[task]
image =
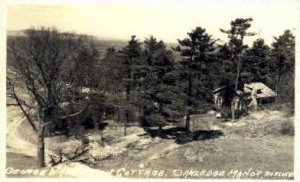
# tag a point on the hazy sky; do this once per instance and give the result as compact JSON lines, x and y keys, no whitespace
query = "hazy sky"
{"x":166,"y":21}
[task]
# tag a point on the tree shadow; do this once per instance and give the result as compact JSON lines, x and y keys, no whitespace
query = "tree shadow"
{"x":181,"y":136}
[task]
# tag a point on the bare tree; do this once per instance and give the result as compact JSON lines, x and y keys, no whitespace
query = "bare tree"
{"x":42,"y":60}
{"x":11,"y":93}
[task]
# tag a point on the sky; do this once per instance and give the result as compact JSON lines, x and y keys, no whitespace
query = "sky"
{"x":166,"y":21}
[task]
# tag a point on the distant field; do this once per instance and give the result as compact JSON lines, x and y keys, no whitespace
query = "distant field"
{"x":102,"y":44}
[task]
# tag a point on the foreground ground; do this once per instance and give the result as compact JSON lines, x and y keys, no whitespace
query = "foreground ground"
{"x":257,"y":146}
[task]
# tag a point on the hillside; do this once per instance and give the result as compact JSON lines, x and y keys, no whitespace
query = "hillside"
{"x":147,"y":115}
{"x":101,"y":43}
{"x":235,"y":149}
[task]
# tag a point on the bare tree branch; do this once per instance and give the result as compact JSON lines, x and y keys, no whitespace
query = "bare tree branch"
{"x":14,"y":95}
{"x":70,"y":157}
{"x":16,"y":104}
{"x":74,"y":114}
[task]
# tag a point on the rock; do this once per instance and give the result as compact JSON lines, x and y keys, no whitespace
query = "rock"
{"x":212,"y":112}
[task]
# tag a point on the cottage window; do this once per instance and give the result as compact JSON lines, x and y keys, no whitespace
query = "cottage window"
{"x":219,"y":101}
{"x":236,"y":103}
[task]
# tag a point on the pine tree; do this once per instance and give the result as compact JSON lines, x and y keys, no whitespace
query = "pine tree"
{"x":282,"y":65}
{"x":236,"y":35}
{"x":113,"y":81}
{"x":283,"y":56}
{"x":226,"y":66}
{"x":196,"y":51}
{"x":255,"y":62}
{"x":159,"y":84}
{"x":131,"y":55}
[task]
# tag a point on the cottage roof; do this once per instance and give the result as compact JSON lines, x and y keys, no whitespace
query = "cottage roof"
{"x":263,"y":91}
{"x":219,"y":89}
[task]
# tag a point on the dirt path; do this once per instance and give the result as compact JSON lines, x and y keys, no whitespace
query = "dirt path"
{"x":20,"y":144}
{"x":17,"y":143}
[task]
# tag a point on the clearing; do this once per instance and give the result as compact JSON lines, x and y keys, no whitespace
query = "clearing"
{"x":256,"y":143}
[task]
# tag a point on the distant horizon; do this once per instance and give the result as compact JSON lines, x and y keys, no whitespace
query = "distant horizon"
{"x":139,"y":38}
{"x":167,"y":22}
{"x":74,"y":32}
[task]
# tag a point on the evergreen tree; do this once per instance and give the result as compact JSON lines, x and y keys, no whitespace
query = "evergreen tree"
{"x":227,"y":67}
{"x":159,"y":84}
{"x":196,"y":51}
{"x":282,"y":67}
{"x":255,"y":62}
{"x":236,"y":35}
{"x":283,"y":56}
{"x":113,"y":80}
{"x":131,"y":61}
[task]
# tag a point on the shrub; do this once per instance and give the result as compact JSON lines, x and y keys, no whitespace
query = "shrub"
{"x":287,"y":128}
{"x":85,"y":141}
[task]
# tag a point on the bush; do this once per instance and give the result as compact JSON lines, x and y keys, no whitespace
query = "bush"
{"x":155,"y":120}
{"x":287,"y":128}
{"x":288,"y":108}
{"x":85,"y":141}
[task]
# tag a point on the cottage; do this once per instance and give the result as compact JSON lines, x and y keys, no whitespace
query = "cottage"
{"x":219,"y":96}
{"x":263,"y":93}
{"x":226,"y":100}
{"x":238,"y":101}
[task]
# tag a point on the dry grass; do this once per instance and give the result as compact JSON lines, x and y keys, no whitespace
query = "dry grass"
{"x":237,"y":149}
{"x":262,"y":123}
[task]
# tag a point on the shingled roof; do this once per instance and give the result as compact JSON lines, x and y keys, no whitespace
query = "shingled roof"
{"x":219,"y":89}
{"x":263,"y":91}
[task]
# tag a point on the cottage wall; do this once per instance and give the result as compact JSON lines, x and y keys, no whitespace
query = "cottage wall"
{"x":204,"y":122}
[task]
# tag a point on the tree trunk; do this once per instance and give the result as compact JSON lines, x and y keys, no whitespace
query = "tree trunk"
{"x":239,"y":63}
{"x":48,"y":117}
{"x":187,"y":122}
{"x":140,"y":113}
{"x":127,"y":109}
{"x":125,"y":122}
{"x":190,"y":85}
{"x":232,"y":114}
{"x":237,"y":74}
{"x":118,"y":114}
{"x":96,"y":125}
{"x":41,"y":147}
{"x":161,"y":107}
{"x":159,"y":130}
{"x":102,"y":138}
{"x":278,"y":77}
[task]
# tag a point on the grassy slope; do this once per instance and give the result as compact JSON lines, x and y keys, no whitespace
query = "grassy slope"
{"x":271,"y":152}
{"x":20,"y":161}
{"x":265,"y":154}
{"x":239,"y":153}
{"x":240,"y":148}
